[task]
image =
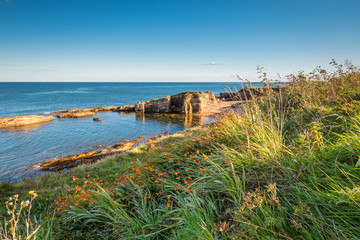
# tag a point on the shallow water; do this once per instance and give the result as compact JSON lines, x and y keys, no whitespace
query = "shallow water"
{"x":21,"y":148}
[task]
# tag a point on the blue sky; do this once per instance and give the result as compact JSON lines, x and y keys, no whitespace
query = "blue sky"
{"x":171,"y":40}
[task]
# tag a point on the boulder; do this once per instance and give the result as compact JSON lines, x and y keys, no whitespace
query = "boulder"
{"x":97,"y":119}
{"x":19,"y":121}
{"x":185,"y":102}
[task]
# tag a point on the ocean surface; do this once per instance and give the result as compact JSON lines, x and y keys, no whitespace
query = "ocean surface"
{"x":21,"y":148}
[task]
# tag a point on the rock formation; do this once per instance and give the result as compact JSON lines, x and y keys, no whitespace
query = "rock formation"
{"x":97,"y":119}
{"x":248,"y":93}
{"x":185,"y":102}
{"x":126,"y":108}
{"x":72,"y":161}
{"x":77,"y":114}
{"x":19,"y":121}
{"x":85,"y":112}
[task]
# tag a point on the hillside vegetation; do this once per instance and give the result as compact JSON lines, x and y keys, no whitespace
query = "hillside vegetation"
{"x":284,"y":166}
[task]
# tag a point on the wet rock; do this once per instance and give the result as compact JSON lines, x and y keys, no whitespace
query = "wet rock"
{"x":185,"y":102}
{"x":98,"y":146}
{"x":19,"y":121}
{"x":97,"y":119}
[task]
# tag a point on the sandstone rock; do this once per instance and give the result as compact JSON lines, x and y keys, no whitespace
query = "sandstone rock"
{"x":185,"y":102}
{"x":85,"y":110}
{"x":75,"y":110}
{"x":98,"y":146}
{"x":97,"y":119}
{"x":19,"y":121}
{"x":126,"y":108}
{"x":77,"y":114}
{"x":87,"y":157}
{"x":105,"y":109}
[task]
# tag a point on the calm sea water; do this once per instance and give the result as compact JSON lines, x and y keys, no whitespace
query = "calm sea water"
{"x":21,"y":148}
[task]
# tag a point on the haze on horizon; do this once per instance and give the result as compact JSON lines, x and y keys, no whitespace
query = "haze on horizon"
{"x":188,"y":40}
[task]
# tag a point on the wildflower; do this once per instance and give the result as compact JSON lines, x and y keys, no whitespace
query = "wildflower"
{"x":33,"y":193}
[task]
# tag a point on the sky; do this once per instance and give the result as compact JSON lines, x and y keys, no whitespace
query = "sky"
{"x":172,"y":40}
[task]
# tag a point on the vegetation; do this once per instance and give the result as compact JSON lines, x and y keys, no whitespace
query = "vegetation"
{"x":284,"y":166}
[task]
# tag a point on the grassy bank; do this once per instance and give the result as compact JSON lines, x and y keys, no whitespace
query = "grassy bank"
{"x":285,"y":166}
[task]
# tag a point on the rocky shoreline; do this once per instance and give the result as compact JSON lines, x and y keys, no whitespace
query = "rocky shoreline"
{"x":187,"y":103}
{"x":181,"y":103}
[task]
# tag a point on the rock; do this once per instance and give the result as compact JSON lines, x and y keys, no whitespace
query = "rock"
{"x":126,"y":108}
{"x":185,"y":102}
{"x":77,"y":114}
{"x":248,"y":93}
{"x":87,"y":157}
{"x":98,"y":146}
{"x":75,"y":111}
{"x":19,"y":121}
{"x":105,"y":109}
{"x":97,"y":119}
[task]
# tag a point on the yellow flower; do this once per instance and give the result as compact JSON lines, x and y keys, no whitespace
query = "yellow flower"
{"x":33,"y":193}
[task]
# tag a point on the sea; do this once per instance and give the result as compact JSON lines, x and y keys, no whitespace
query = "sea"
{"x":24,"y":147}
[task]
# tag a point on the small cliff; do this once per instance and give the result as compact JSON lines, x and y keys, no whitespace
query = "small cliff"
{"x":185,"y":102}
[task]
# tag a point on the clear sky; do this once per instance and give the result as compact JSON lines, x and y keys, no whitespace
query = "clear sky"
{"x":172,"y":40}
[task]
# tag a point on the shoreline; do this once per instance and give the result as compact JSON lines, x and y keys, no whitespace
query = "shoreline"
{"x":90,"y":157}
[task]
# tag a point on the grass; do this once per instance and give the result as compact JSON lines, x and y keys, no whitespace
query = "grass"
{"x":284,"y":166}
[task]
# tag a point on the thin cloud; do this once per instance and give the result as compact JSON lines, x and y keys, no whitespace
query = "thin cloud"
{"x":8,"y":2}
{"x":214,"y":63}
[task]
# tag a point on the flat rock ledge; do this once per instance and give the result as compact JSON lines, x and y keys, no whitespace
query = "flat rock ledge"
{"x":77,"y":114}
{"x":86,"y":112}
{"x":18,"y":121}
{"x":72,"y":161}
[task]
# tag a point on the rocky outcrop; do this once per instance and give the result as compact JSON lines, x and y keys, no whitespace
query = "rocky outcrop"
{"x":77,"y":114}
{"x":185,"y":102}
{"x":19,"y":121}
{"x":126,"y":108}
{"x":72,"y":161}
{"x":75,"y":111}
{"x":248,"y":93}
{"x":85,"y":112}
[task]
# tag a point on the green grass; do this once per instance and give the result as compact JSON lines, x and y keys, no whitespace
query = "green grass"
{"x":285,"y":166}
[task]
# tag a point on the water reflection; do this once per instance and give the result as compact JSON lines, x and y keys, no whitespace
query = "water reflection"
{"x":187,"y":121}
{"x":25,"y":128}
